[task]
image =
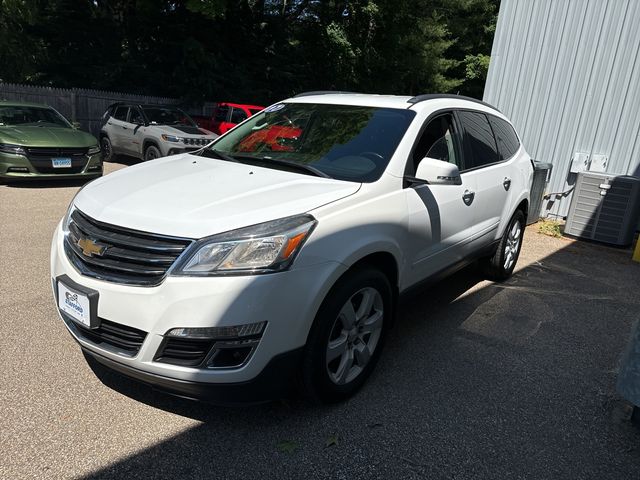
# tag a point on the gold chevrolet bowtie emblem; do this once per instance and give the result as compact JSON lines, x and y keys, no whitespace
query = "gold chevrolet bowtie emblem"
{"x":91,"y":247}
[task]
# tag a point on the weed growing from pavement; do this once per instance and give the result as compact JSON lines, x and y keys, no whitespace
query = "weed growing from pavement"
{"x":549,"y":227}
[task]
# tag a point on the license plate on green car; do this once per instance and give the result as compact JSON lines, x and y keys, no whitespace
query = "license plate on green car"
{"x":61,"y":162}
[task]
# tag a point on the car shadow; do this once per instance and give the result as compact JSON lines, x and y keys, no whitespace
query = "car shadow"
{"x":444,"y":292}
{"x":512,"y":377}
{"x":47,"y":183}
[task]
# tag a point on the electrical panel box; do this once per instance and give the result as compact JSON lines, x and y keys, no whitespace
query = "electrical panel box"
{"x":604,"y":208}
{"x":598,"y":163}
{"x":579,"y":162}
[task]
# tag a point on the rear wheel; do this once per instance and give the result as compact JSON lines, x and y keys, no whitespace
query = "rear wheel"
{"x":347,"y":336}
{"x":501,"y":264}
{"x":151,"y":153}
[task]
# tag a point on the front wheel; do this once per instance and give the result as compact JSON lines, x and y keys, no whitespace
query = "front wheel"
{"x":107,"y":149}
{"x":151,"y":153}
{"x":347,"y":336}
{"x":501,"y":264}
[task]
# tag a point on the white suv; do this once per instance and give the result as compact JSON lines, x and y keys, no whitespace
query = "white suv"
{"x":149,"y":131}
{"x":279,"y":253}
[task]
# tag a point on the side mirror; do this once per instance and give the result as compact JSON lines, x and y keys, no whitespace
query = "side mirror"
{"x":438,"y":172}
{"x":76,"y":125}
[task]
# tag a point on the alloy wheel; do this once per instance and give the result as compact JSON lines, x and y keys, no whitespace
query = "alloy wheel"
{"x":355,"y":335}
{"x":512,"y":246}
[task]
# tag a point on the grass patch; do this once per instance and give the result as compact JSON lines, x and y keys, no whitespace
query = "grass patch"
{"x":549,"y":227}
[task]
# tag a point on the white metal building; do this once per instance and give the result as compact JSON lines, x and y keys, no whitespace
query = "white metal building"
{"x":567,"y":73}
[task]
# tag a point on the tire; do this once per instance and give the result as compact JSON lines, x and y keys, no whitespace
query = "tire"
{"x":151,"y":152}
{"x":500,"y":265}
{"x":356,"y":350}
{"x":107,"y":150}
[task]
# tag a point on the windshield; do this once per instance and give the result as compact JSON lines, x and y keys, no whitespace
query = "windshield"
{"x":31,"y":116}
{"x":345,"y":142}
{"x":168,"y":116}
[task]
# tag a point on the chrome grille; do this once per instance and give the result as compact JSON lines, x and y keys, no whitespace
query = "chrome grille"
{"x":129,"y":256}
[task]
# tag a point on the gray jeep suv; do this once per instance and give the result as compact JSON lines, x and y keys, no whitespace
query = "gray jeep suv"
{"x":149,"y":131}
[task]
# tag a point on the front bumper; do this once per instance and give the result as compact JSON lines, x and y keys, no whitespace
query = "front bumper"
{"x":287,"y":301}
{"x":275,"y":381}
{"x":18,"y":167}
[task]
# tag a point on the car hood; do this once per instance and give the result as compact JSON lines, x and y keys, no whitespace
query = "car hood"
{"x":194,"y":197}
{"x":46,"y":137}
{"x":181,"y":130}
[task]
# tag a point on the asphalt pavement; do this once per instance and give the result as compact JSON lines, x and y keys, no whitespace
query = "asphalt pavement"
{"x":477,"y":380}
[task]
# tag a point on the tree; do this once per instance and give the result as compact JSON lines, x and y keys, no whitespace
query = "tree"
{"x":248,"y":50}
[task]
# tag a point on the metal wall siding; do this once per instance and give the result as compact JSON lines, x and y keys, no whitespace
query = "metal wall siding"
{"x":567,"y":74}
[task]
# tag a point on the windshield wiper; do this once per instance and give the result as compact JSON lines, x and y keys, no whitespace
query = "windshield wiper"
{"x":267,"y":161}
{"x":213,"y":153}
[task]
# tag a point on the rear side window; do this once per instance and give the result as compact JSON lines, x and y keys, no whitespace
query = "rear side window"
{"x":479,"y":144}
{"x":506,"y":138}
{"x":238,"y":115}
{"x":221,"y":114}
{"x":121,"y":113}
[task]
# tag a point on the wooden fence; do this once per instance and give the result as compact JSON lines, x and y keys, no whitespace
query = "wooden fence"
{"x":87,"y":106}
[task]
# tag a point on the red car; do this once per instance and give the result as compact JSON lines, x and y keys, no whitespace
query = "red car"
{"x":275,"y":138}
{"x":226,"y":116}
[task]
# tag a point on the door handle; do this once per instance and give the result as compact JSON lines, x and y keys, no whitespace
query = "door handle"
{"x":506,"y":183}
{"x":125,"y":128}
{"x":109,"y":123}
{"x":468,"y":197}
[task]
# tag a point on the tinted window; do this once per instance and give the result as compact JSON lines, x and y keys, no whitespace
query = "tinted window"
{"x":437,"y":141}
{"x":221,"y":114}
{"x":121,"y":113}
{"x":345,"y":142}
{"x":167,"y":116}
{"x":135,"y":116}
{"x":479,"y":143}
{"x":238,"y":115}
{"x":38,"y":116}
{"x":508,"y":143}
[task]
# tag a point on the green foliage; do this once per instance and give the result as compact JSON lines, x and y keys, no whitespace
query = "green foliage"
{"x":248,"y":50}
{"x":550,"y":227}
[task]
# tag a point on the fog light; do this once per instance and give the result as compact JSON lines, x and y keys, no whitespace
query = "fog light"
{"x":235,"y":331}
{"x":231,"y":354}
{"x":18,"y":169}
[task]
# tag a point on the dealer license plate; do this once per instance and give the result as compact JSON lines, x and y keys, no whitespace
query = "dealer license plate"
{"x":61,"y":162}
{"x":74,"y":304}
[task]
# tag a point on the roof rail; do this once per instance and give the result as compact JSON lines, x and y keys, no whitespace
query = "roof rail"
{"x":433,"y":96}
{"x":322,"y":92}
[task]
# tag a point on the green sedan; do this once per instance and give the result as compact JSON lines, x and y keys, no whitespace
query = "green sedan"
{"x":37,"y":142}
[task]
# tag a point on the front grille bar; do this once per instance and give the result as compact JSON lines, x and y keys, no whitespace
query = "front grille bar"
{"x":130,"y":257}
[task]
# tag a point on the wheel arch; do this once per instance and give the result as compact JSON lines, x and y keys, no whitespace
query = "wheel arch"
{"x":148,"y":142}
{"x":380,"y":259}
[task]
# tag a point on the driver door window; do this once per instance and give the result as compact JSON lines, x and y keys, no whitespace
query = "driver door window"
{"x":438,"y":140}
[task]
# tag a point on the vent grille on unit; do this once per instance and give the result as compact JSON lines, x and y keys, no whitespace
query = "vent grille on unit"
{"x":604,"y":208}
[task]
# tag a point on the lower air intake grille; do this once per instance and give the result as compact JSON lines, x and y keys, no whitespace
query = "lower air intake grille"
{"x":111,"y":336}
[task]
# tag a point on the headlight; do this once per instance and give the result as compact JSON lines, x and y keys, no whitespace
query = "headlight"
{"x":14,"y":149}
{"x":263,"y":248}
{"x":93,"y":150}
{"x":170,"y":138}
